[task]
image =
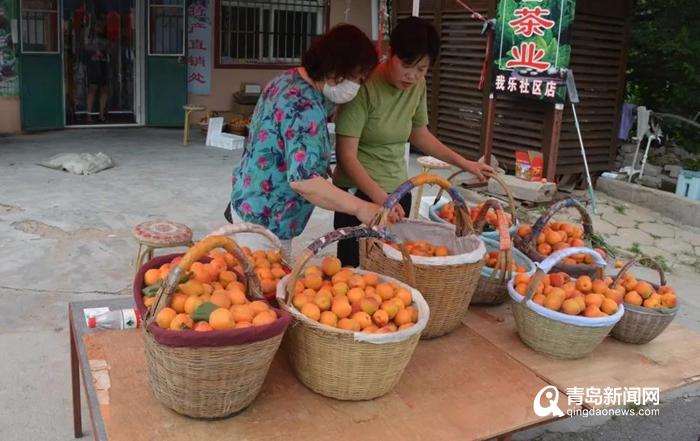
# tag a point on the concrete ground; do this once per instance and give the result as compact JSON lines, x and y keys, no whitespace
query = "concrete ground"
{"x":66,"y":238}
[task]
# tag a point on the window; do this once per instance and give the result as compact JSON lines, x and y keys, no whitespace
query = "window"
{"x":267,"y":31}
{"x":40,"y":26}
{"x":166,"y":31}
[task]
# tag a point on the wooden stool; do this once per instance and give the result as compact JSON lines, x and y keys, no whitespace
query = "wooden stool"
{"x":159,"y":234}
{"x":427,"y":163}
{"x":189,"y":108}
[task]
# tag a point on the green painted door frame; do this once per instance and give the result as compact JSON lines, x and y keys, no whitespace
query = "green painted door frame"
{"x":166,"y":69}
{"x":41,"y":66}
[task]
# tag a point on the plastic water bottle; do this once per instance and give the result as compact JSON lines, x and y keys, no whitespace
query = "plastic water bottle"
{"x":117,"y":319}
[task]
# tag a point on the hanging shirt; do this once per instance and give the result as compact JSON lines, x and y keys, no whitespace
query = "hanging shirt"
{"x":382,"y":117}
{"x":287,"y":141}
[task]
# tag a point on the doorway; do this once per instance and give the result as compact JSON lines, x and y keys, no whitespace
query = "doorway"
{"x":101,"y":62}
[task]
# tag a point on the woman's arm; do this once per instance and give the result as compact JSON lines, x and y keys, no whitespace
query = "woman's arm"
{"x":346,"y":155}
{"x":430,"y":145}
{"x":323,"y":194}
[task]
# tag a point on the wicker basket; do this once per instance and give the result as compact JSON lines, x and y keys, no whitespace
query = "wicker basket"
{"x":448,"y":289}
{"x":554,"y":333}
{"x":492,"y":288}
{"x":210,"y":375}
{"x":342,"y":364}
{"x":640,"y":325}
{"x":528,"y":244}
{"x":246,"y":232}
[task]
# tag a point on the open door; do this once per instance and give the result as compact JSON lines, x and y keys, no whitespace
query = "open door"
{"x":166,"y":69}
{"x":41,"y":76}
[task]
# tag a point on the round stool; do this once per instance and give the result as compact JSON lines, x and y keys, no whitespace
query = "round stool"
{"x":189,"y":108}
{"x":427,"y":163}
{"x":159,"y":234}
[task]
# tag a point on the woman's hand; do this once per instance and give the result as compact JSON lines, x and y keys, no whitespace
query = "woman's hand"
{"x":479,"y":169}
{"x":367,"y":211}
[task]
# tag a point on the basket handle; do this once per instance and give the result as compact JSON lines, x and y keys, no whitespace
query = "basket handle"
{"x":244,"y":227}
{"x":495,"y":177}
{"x":463,"y":224}
{"x":544,"y":267}
{"x":502,"y":271}
{"x":555,"y":208}
{"x":196,"y":252}
{"x":322,"y":242}
{"x":480,"y":221}
{"x":631,"y":263}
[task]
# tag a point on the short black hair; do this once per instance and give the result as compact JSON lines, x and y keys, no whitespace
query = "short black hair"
{"x":414,"y":38}
{"x":340,"y":53}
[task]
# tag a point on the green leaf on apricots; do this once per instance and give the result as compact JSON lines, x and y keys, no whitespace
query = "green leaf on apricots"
{"x":203,"y":312}
{"x":151,"y":290}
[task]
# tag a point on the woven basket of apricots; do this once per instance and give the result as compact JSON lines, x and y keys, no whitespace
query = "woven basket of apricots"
{"x":546,"y":237}
{"x":354,"y":331}
{"x":561,"y":316}
{"x":209,"y":333}
{"x":447,"y":282}
{"x":649,"y":307}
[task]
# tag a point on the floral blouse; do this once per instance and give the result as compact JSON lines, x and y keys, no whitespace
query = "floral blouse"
{"x":288,"y":141}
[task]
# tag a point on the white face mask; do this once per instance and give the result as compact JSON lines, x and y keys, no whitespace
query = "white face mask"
{"x":342,"y":92}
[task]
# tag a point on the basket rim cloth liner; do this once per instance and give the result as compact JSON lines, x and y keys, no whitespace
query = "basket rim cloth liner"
{"x":471,"y":247}
{"x":190,"y":338}
{"x":391,"y":337}
{"x":590,"y":322}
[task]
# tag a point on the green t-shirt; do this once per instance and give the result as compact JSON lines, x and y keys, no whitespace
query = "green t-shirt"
{"x":382,"y":117}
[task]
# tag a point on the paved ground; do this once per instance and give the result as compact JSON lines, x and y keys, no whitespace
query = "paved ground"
{"x":65,"y":238}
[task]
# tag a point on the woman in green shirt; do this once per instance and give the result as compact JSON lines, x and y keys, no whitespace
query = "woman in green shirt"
{"x":390,"y":110}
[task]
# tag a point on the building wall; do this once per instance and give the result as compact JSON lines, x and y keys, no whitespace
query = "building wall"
{"x":224,"y":82}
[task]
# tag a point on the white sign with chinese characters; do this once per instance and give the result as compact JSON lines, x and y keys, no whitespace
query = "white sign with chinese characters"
{"x":199,"y":20}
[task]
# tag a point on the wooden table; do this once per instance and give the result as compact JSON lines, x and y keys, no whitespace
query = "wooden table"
{"x":458,"y":387}
{"x":670,"y":361}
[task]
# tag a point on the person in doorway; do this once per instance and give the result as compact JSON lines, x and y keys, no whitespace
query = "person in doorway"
{"x":282,"y":174}
{"x":97,"y":54}
{"x":389,"y":111}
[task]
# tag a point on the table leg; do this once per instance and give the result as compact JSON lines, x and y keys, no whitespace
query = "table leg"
{"x":75,"y":382}
{"x":186,"y":134}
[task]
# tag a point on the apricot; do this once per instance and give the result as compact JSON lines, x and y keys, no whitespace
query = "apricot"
{"x":328,"y":318}
{"x":644,"y":289}
{"x":242,"y":313}
{"x":165,"y":317}
{"x":341,"y":308}
{"x":362,"y":318}
{"x":609,"y":306}
{"x":220,"y":319}
{"x":380,"y":318}
{"x":553,"y":302}
{"x":584,"y":284}
{"x":633,"y":298}
{"x":311,"y":311}
{"x":571,"y":307}
{"x":330,"y":265}
{"x":668,"y":300}
{"x":348,"y":325}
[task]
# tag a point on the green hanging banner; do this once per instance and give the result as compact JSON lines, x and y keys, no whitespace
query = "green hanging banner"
{"x":532,"y":48}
